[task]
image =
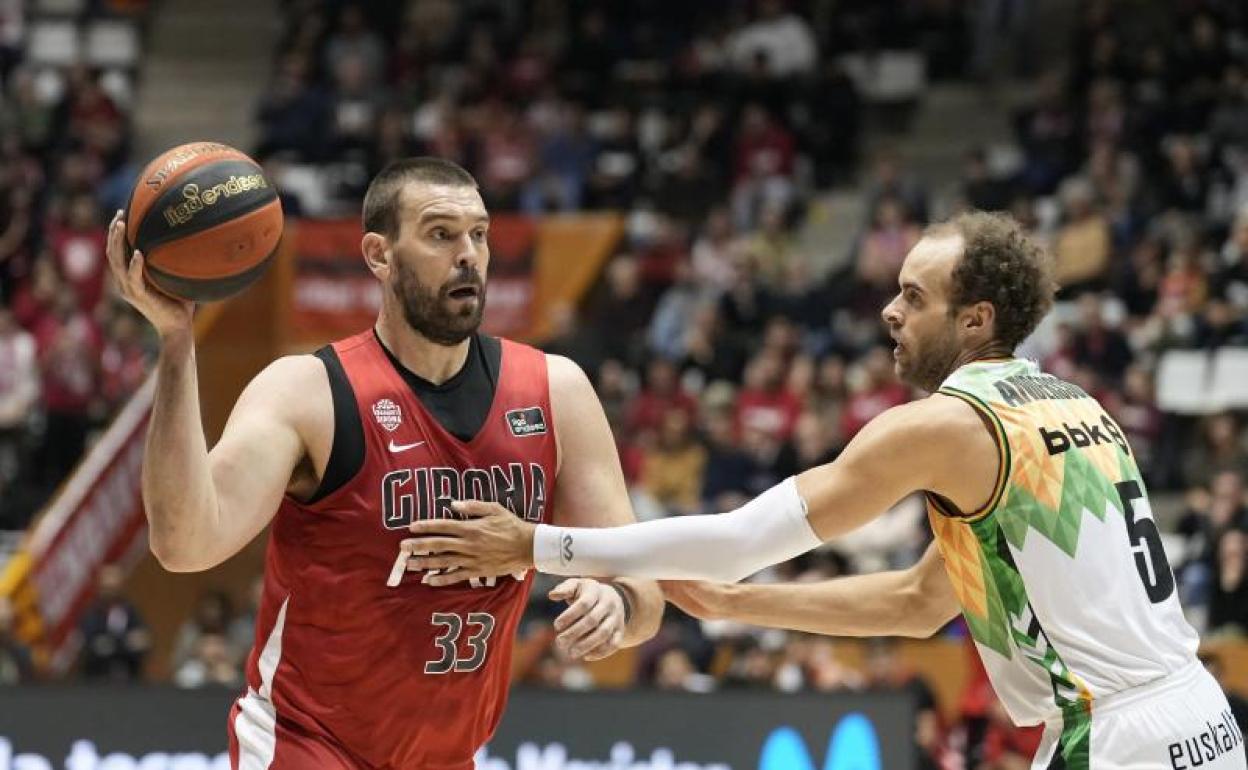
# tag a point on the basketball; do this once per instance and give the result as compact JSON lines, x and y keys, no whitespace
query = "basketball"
{"x":206,"y":220}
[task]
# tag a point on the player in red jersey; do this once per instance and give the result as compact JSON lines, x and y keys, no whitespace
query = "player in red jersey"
{"x":358,"y":664}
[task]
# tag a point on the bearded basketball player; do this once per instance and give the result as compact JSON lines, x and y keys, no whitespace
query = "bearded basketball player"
{"x":1043,"y":534}
{"x":358,"y":664}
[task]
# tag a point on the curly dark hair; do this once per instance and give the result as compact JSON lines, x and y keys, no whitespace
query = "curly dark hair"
{"x":1002,"y":265}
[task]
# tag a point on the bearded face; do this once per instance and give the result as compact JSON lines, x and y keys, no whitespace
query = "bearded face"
{"x":925,"y":357}
{"x":446,"y":314}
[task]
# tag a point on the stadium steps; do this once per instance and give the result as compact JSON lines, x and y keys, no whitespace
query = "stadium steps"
{"x":949,"y":119}
{"x":206,"y":67}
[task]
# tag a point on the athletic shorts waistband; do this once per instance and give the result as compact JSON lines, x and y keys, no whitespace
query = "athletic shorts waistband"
{"x":1178,"y":679}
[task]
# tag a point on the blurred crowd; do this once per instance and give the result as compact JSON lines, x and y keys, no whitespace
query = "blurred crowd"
{"x":560,"y":105}
{"x":70,"y":352}
{"x":726,"y":353}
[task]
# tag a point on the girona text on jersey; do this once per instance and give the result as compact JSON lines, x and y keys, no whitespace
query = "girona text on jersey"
{"x":409,"y":494}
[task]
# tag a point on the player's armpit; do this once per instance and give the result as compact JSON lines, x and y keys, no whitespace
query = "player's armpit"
{"x":937,"y":444}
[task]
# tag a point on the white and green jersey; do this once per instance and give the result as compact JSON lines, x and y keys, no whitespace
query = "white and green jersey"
{"x":1061,"y":576}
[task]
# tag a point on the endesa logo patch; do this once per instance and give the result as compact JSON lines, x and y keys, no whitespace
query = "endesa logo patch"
{"x":527,"y":422}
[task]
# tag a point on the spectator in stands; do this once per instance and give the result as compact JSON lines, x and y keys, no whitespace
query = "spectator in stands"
{"x":884,"y":247}
{"x":750,"y":666}
{"x":874,"y":391}
{"x":211,"y":663}
{"x":1082,"y":250}
{"x":1046,"y":130}
{"x":1228,"y":603}
{"x":710,"y":352}
{"x":15,"y":227}
{"x":506,"y":162}
{"x":618,"y":167}
{"x":889,"y":178}
{"x":1231,"y":277}
{"x":716,"y":254}
{"x":622,"y":312}
{"x":1185,"y":184}
{"x":673,"y":315}
{"x":1006,"y":746}
{"x":16,"y":663}
{"x":980,"y":189}
{"x":566,"y":154}
{"x":19,"y":393}
{"x":1135,"y":409}
{"x":816,"y":441}
{"x":771,"y":246}
{"x":887,"y":672}
{"x":353,"y":40}
{"x":356,"y":106}
{"x":78,"y":249}
{"x":821,"y":669}
{"x":1098,"y":345}
{"x":765,"y":404}
{"x":672,"y":469}
{"x":69,"y":347}
{"x":725,"y":482}
{"x":212,"y":615}
{"x":123,"y":361}
{"x":1219,"y":447}
{"x":675,"y":671}
{"x":661,"y":394}
{"x":293,"y":113}
{"x":115,"y":640}
{"x":765,"y":156}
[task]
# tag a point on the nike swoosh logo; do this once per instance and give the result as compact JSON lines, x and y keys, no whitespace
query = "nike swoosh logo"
{"x":403,"y":447}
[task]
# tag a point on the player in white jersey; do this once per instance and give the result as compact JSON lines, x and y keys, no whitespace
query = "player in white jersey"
{"x":1044,"y":539}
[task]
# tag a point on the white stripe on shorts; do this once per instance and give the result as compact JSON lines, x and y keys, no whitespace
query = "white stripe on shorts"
{"x":255,"y":727}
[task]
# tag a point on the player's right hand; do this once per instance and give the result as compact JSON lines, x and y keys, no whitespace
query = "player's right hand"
{"x":701,"y":599}
{"x":171,"y":316}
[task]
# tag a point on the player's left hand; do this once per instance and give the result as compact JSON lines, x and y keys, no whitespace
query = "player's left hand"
{"x":490,"y":541}
{"x":592,"y":626}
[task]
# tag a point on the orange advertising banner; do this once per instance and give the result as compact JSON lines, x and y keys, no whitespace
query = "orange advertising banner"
{"x":535,"y":263}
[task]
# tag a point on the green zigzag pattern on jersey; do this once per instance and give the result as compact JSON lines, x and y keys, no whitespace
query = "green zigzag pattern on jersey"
{"x":1004,"y":593}
{"x":1084,"y":488}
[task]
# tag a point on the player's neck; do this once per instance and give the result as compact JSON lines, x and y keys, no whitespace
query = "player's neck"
{"x":421,"y":356}
{"x":989,"y":351}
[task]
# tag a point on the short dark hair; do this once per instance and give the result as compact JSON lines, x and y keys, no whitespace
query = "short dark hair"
{"x":381,"y":202}
{"x":1002,"y":265}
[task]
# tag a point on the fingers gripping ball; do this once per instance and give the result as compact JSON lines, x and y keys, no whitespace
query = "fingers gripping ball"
{"x":206,"y":219}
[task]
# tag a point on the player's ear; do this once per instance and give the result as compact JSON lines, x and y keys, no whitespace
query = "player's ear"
{"x":979,"y":317}
{"x":377,"y":254}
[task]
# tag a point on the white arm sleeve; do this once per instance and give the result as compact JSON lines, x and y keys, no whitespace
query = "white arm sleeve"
{"x":724,"y":547}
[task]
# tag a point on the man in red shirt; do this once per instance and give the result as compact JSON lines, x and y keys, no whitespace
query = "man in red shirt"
{"x":78,"y":248}
{"x":355,"y":664}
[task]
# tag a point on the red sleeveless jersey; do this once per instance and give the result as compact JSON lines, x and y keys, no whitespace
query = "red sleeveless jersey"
{"x":411,"y":676}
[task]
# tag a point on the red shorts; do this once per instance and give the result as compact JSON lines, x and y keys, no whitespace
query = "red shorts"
{"x":259,"y":742}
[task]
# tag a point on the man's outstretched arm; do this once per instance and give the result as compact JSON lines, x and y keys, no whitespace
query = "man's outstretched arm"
{"x":915,"y":602}
{"x":937,"y":444}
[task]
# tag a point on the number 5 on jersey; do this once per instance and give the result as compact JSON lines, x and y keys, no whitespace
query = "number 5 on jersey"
{"x":479,"y":625}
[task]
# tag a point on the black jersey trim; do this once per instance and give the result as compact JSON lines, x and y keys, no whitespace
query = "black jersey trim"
{"x":463,"y":403}
{"x":346,"y":456}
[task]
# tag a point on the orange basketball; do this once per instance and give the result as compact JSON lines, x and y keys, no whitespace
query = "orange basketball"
{"x":206,"y":220}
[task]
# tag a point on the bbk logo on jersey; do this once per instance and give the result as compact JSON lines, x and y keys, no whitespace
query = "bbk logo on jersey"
{"x":409,"y":494}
